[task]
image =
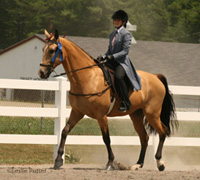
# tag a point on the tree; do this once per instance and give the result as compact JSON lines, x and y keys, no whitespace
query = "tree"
{"x":84,"y":18}
{"x":184,"y":20}
{"x":160,"y":20}
{"x":151,"y":19}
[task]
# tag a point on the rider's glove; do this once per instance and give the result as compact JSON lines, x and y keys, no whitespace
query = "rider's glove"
{"x":109,"y":57}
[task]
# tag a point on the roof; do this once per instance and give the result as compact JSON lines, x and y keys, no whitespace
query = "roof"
{"x":179,"y":62}
{"x":22,"y":42}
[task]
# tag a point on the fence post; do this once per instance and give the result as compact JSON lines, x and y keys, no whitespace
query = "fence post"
{"x":60,"y":103}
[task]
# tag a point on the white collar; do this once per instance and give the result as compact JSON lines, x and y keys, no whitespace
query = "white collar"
{"x":118,"y":30}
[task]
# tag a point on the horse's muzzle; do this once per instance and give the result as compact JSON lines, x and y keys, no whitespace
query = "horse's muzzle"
{"x":43,"y":75}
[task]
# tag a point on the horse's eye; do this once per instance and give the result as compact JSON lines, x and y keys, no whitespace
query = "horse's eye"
{"x":51,"y":51}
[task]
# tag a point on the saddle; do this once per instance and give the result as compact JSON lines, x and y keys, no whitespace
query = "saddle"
{"x":109,"y":75}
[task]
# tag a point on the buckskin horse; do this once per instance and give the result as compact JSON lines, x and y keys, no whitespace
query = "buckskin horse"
{"x":89,"y":94}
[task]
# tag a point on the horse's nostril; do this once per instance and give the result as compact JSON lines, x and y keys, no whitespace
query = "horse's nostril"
{"x":41,"y":74}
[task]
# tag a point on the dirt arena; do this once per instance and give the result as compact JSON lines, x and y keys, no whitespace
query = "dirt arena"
{"x":91,"y":172}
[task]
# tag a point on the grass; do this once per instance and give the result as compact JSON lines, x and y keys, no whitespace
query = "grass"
{"x":19,"y":125}
{"x":22,"y":125}
{"x":42,"y":154}
{"x":25,"y":154}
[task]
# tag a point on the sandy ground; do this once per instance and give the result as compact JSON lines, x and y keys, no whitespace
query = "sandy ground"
{"x":91,"y":172}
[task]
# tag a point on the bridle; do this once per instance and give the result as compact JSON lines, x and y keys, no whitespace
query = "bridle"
{"x":59,"y":50}
{"x":51,"y":69}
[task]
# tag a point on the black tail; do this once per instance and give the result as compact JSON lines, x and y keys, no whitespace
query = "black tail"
{"x":168,"y":115}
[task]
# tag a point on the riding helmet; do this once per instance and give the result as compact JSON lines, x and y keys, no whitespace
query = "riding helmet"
{"x":121,"y":14}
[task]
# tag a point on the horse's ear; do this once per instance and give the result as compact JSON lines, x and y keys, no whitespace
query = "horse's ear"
{"x":56,"y":35}
{"x":47,"y":34}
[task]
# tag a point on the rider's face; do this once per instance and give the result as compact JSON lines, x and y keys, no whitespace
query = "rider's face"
{"x":117,"y":23}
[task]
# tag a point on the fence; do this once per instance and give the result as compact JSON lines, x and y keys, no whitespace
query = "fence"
{"x":60,"y":113}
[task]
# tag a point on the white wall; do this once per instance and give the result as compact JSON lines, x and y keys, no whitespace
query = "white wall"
{"x":23,"y":61}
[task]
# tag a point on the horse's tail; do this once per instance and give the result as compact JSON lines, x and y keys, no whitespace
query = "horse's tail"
{"x":168,"y":115}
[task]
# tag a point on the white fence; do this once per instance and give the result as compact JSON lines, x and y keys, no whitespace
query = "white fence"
{"x":60,"y":113}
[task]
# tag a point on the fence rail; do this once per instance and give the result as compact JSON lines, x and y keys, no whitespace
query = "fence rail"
{"x":60,"y":113}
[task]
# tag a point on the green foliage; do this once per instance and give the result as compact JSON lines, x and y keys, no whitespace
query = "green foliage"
{"x":163,"y":20}
{"x":184,"y":20}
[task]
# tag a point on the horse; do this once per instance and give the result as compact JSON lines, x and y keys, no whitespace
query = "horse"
{"x":90,"y":95}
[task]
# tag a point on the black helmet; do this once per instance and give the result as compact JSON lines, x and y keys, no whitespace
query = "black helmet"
{"x":120,"y":14}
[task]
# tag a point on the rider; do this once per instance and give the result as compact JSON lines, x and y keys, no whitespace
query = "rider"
{"x":117,"y":56}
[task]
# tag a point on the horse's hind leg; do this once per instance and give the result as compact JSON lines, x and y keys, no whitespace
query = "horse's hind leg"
{"x":103,"y":123}
{"x":73,"y":120}
{"x":162,"y":131}
{"x":137,"y":118}
{"x":158,"y":156}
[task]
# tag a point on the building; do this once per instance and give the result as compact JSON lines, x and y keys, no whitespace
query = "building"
{"x":179,"y":62}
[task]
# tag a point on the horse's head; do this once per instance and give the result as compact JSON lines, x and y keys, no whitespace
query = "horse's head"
{"x":52,"y":55}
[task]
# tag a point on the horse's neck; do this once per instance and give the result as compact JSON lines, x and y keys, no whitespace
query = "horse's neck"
{"x":75,"y":58}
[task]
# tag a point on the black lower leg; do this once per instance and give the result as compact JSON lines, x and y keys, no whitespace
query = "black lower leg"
{"x":65,"y":132}
{"x":106,"y":139}
{"x":160,"y":147}
{"x":142,"y":156}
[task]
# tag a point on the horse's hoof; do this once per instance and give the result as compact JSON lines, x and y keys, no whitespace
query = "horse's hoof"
{"x":136,"y":167}
{"x":160,"y":165}
{"x":58,"y":164}
{"x":110,"y":167}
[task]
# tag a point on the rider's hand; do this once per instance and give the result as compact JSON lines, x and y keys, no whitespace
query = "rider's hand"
{"x":100,"y":58}
{"x":110,"y":57}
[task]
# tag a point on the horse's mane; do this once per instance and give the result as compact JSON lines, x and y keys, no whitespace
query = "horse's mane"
{"x":81,"y":49}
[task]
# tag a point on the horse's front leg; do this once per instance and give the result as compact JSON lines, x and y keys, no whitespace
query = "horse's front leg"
{"x":73,"y":120}
{"x":103,"y":123}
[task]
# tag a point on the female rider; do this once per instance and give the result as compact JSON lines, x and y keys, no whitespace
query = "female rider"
{"x":117,"y":56}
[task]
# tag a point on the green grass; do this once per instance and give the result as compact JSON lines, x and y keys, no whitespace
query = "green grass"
{"x":25,"y":154}
{"x":23,"y":125}
{"x":42,"y":154}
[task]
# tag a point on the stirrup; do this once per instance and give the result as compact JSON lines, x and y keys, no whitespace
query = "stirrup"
{"x":122,"y":107}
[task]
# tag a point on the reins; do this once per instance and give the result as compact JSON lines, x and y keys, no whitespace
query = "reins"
{"x":91,"y":94}
{"x":102,"y":62}
{"x":50,"y":66}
